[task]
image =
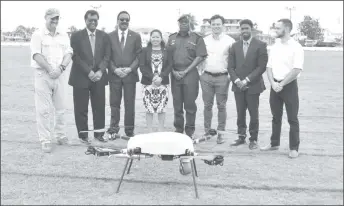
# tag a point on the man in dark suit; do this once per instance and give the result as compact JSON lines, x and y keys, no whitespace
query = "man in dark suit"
{"x":247,"y":63}
{"x":126,"y":47}
{"x":88,"y":75}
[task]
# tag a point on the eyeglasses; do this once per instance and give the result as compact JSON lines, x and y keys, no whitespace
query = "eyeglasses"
{"x":124,"y":19}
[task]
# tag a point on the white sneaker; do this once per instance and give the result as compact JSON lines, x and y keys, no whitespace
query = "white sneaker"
{"x":269,"y":148}
{"x":293,"y":154}
{"x":46,"y":147}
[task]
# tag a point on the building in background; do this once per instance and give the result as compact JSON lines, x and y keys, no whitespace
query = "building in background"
{"x":232,"y":28}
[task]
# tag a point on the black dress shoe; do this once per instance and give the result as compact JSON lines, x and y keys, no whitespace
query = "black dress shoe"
{"x":130,"y":135}
{"x":238,"y":142}
{"x":100,"y":138}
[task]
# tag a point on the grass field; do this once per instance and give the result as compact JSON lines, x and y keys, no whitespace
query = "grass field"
{"x":68,"y":176}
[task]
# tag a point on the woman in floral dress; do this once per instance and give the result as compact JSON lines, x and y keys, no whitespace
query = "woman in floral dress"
{"x":155,"y":68}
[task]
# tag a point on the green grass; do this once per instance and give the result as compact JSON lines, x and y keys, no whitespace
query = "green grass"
{"x":68,"y":176}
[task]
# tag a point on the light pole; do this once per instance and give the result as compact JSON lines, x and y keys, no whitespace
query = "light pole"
{"x":96,"y":7}
{"x":290,"y":9}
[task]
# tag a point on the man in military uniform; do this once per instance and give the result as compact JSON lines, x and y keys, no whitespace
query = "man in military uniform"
{"x":188,"y":50}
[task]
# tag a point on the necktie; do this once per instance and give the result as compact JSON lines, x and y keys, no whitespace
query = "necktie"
{"x":93,"y":42}
{"x":122,"y":41}
{"x":245,"y":47}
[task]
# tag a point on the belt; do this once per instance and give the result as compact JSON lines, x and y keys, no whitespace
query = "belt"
{"x":216,"y":74}
{"x":279,"y":81}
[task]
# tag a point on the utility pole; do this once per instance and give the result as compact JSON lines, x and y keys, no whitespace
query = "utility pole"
{"x":290,"y":9}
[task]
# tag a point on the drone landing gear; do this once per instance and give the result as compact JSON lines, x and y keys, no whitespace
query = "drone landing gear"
{"x":193,"y":171}
{"x":125,"y":168}
{"x":131,"y":162}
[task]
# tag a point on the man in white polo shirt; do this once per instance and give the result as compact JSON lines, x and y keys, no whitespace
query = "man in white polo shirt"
{"x":285,"y":64}
{"x":50,"y":55}
{"x":214,"y":79}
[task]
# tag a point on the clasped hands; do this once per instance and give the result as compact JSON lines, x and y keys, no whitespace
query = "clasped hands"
{"x":179,"y":74}
{"x":156,"y":80}
{"x":55,"y":73}
{"x":242,"y":84}
{"x":122,"y":72}
{"x":277,"y":87}
{"x":95,"y":76}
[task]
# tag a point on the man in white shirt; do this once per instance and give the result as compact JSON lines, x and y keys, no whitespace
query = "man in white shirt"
{"x":284,"y":67}
{"x":50,"y":55}
{"x":214,"y":78}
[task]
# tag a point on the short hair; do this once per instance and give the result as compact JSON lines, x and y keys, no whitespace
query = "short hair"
{"x":246,"y":21}
{"x":217,"y":17}
{"x":287,"y":23}
{"x":123,"y":12}
{"x":91,"y":12}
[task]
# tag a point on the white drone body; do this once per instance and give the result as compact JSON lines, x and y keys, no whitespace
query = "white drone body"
{"x":161,"y":143}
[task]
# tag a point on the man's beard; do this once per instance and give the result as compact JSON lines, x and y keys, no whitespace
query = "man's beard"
{"x":281,"y":35}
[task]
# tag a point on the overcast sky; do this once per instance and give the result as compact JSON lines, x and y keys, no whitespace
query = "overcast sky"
{"x":163,"y":14}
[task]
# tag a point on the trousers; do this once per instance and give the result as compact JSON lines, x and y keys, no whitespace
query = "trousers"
{"x":214,"y":86}
{"x":50,"y":93}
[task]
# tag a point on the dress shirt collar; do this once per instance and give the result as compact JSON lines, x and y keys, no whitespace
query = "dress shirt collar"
{"x":57,"y":31}
{"x":248,"y":41}
{"x":89,"y":32}
{"x":125,"y":33}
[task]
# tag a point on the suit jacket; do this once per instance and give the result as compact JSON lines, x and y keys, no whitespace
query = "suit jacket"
{"x":83,"y":60}
{"x":147,"y":70}
{"x":252,"y":66}
{"x":129,"y":57}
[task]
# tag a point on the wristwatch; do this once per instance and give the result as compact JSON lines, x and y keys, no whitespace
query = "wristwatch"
{"x":63,"y":67}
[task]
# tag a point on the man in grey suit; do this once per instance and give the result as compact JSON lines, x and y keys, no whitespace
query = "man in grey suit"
{"x":247,"y":63}
{"x":125,"y":50}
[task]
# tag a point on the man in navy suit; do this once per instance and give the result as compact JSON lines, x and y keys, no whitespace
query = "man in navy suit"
{"x":126,"y":47}
{"x":247,"y":63}
{"x":88,"y":75}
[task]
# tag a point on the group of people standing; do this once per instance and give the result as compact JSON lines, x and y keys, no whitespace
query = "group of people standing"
{"x":186,"y":61}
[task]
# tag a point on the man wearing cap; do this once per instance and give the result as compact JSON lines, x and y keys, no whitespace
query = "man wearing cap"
{"x":188,"y":50}
{"x":88,"y":75}
{"x":50,"y":55}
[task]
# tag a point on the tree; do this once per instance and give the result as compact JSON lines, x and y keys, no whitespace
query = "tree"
{"x":273,"y":26}
{"x":20,"y":31}
{"x":73,"y":29}
{"x":193,"y":22}
{"x":311,"y":28}
{"x":103,"y":29}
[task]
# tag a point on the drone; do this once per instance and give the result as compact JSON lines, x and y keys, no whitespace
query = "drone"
{"x":168,"y":146}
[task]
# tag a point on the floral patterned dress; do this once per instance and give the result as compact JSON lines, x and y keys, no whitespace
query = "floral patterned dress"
{"x":155,"y":98}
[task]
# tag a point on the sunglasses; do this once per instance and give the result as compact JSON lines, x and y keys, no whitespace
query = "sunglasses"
{"x":56,"y":18}
{"x":124,"y":19}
